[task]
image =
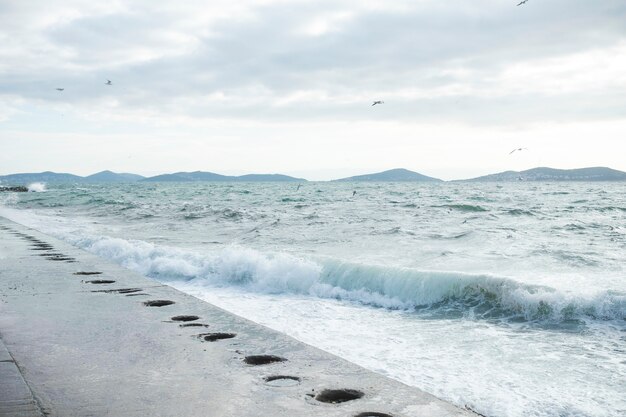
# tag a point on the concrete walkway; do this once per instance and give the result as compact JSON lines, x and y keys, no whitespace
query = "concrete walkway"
{"x":16,"y":400}
{"x":90,"y":338}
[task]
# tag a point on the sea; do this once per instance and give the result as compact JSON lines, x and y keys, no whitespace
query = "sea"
{"x":508,"y":299}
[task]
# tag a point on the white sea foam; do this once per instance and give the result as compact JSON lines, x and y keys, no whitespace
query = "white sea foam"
{"x":37,"y":187}
{"x":534,"y":325}
{"x":380,"y":286}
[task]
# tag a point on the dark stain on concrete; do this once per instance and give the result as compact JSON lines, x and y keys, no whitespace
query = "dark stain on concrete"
{"x":158,"y":303}
{"x":256,"y":360}
{"x":336,"y":396}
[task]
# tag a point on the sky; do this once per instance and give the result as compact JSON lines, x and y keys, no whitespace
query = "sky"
{"x":286,"y":86}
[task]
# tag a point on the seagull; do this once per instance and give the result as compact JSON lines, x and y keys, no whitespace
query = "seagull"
{"x":378,"y":102}
{"x":108,"y":82}
{"x":517,"y":149}
{"x":60,"y":89}
{"x":522,"y":2}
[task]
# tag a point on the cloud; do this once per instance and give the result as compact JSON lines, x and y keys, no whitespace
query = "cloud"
{"x":319,"y":60}
{"x":199,"y":66}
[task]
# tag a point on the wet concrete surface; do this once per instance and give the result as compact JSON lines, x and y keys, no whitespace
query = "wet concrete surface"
{"x":85,"y":350}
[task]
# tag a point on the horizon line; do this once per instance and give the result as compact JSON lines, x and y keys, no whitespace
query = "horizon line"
{"x":305,"y":179}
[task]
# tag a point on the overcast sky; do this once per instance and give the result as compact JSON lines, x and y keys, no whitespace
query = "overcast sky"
{"x":271,"y":86}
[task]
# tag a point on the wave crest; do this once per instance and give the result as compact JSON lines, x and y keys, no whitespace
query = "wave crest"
{"x":37,"y":187}
{"x":472,"y":295}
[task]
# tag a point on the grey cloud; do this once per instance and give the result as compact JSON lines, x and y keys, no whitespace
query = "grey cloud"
{"x":257,"y":62}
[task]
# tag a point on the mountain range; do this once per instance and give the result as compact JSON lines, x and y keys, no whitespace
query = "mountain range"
{"x":109,"y":176}
{"x":57,"y":178}
{"x":393,"y":175}
{"x":552,"y":174}
{"x":113,"y":177}
{"x":210,"y":176}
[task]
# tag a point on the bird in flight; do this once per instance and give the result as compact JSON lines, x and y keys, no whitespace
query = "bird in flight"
{"x":108,"y":82}
{"x":522,"y":2}
{"x":60,"y":89}
{"x":378,"y":102}
{"x":517,"y":150}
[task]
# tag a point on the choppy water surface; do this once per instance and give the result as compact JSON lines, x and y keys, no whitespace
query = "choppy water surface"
{"x":507,"y":298}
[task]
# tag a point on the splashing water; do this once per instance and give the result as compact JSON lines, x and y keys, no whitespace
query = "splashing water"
{"x":513,"y":307}
{"x":37,"y":187}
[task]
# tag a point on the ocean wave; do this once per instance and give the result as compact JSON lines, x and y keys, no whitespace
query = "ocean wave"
{"x":463,"y":207}
{"x":518,"y":212}
{"x":471,"y":295}
{"x":611,"y":208}
{"x":37,"y":187}
{"x":193,"y":212}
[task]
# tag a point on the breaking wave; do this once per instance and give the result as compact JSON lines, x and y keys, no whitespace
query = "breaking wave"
{"x":37,"y":187}
{"x":471,"y":295}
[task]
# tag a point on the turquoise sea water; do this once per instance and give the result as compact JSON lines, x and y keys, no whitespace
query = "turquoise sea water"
{"x":507,"y":298}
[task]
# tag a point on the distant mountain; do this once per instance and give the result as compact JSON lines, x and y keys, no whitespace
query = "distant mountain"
{"x":393,"y":175}
{"x":47,"y":177}
{"x":109,"y":176}
{"x":187,"y":176}
{"x":59,"y":178}
{"x":268,"y":178}
{"x":552,"y":174}
{"x":210,"y":176}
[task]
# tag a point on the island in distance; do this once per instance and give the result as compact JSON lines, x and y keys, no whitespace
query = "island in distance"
{"x":113,"y":177}
{"x":210,"y":176}
{"x":392,"y":175}
{"x":63,"y":178}
{"x":552,"y":174}
{"x":109,"y":176}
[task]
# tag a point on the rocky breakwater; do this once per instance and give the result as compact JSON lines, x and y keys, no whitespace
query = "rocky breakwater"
{"x":15,"y":189}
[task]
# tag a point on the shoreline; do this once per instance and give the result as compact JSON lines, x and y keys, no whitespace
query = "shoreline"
{"x":115,"y":343}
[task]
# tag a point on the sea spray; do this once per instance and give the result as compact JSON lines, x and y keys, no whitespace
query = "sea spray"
{"x":533,"y":326}
{"x":478,"y":295}
{"x":37,"y":187}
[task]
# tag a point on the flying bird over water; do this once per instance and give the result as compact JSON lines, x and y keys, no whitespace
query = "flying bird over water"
{"x":60,"y":89}
{"x":108,"y":82}
{"x":378,"y":102}
{"x":522,"y":2}
{"x":517,"y":150}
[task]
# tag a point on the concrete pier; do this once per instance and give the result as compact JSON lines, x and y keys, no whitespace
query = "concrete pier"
{"x":85,"y":337}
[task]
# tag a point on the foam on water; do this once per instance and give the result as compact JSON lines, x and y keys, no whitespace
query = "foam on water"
{"x":37,"y":187}
{"x":507,"y":298}
{"x":497,"y":370}
{"x":388,"y":287}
